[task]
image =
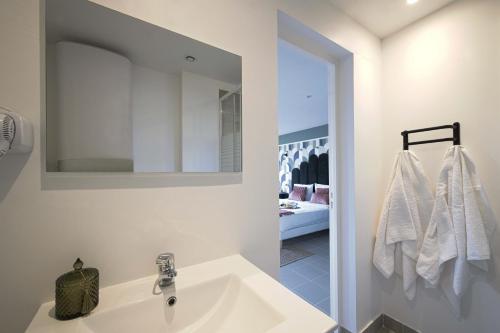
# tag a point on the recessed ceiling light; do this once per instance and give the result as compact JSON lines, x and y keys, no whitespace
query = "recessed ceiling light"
{"x":190,"y":58}
{"x":411,"y":2}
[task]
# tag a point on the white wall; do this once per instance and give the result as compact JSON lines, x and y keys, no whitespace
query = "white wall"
{"x":446,"y":68}
{"x":95,"y":119}
{"x":156,"y":124}
{"x":120,"y":231}
{"x":200,"y":122}
{"x":301,"y":74}
{"x":75,"y":113}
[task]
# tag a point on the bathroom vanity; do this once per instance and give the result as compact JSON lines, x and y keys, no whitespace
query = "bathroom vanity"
{"x":225,"y":295}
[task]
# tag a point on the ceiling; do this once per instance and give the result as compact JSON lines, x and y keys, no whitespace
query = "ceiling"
{"x":142,"y":43}
{"x":384,"y":17}
{"x":303,"y":89}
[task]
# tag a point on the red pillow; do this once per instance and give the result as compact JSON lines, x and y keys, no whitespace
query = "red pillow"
{"x":321,"y":196}
{"x":298,"y":193}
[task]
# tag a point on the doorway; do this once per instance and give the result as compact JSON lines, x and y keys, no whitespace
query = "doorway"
{"x":305,"y":85}
{"x":341,"y":228}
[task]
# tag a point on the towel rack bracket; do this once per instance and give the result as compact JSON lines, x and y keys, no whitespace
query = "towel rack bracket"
{"x":455,"y":139}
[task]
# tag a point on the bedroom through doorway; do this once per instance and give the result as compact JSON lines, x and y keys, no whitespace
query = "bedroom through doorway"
{"x":306,"y":83}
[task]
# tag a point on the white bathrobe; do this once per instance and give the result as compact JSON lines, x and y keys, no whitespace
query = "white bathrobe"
{"x":457,"y":235}
{"x":405,"y":215}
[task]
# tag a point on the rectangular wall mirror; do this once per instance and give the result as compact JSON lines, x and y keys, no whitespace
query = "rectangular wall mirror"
{"x":123,"y":95}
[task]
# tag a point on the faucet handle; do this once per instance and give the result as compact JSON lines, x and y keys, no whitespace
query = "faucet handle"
{"x":166,"y":259}
{"x":166,"y":265}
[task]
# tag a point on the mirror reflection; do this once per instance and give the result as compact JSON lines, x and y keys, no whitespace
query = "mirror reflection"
{"x":123,"y":95}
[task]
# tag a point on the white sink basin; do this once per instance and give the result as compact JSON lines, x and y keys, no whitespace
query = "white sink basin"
{"x":227,"y":295}
{"x":221,"y":305}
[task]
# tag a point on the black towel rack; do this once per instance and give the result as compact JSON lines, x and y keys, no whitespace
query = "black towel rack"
{"x":456,"y":135}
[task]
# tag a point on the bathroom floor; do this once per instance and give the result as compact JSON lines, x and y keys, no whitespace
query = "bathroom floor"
{"x":309,"y":278}
{"x":385,"y":330}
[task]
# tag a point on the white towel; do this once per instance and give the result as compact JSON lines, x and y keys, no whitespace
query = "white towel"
{"x":404,"y":217}
{"x":457,"y":233}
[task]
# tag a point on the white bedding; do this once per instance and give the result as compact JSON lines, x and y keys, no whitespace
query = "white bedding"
{"x":310,"y":217}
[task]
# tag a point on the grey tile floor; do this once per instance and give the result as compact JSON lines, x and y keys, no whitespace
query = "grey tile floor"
{"x":385,"y":330}
{"x":309,"y":278}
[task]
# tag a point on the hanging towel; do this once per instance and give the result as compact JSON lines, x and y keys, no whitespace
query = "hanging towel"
{"x":405,"y":215}
{"x":457,"y":235}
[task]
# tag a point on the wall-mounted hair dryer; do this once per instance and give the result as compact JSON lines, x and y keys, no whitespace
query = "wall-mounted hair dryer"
{"x":16,"y":133}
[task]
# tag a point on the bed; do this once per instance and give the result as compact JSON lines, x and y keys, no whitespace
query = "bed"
{"x":308,"y":218}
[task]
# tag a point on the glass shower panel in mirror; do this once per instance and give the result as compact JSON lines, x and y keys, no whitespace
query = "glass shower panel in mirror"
{"x":124,"y":95}
{"x":230,"y":129}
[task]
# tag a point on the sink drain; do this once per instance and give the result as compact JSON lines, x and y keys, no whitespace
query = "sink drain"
{"x":171,"y":300}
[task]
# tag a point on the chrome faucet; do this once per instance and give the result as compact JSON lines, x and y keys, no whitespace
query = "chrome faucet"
{"x":166,"y":269}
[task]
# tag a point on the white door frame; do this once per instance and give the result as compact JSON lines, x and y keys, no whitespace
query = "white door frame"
{"x":332,"y":174}
{"x":341,"y":163}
